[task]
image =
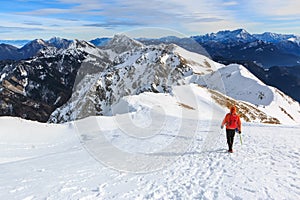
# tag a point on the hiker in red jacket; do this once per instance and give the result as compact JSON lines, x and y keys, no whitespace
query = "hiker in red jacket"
{"x":232,"y":122}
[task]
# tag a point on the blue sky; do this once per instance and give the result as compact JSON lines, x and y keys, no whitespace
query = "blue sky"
{"x":88,"y":19}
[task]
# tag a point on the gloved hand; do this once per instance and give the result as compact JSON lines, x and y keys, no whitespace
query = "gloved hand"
{"x":222,"y":127}
{"x":240,"y":132}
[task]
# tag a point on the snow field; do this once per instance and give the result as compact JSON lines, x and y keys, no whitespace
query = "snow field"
{"x":266,"y":166}
{"x":42,"y":161}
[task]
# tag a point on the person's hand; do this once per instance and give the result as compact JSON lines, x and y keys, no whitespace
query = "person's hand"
{"x":222,"y":127}
{"x":240,"y":132}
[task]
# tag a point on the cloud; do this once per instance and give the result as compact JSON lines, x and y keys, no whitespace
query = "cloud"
{"x":189,"y":16}
{"x":176,"y":14}
{"x":33,"y":23}
{"x":6,"y":29}
{"x":114,"y":24}
{"x":230,"y":3}
{"x":149,"y":13}
{"x":276,"y":8}
{"x":44,"y":12}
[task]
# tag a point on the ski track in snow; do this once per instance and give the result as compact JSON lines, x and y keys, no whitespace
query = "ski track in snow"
{"x":266,"y":166}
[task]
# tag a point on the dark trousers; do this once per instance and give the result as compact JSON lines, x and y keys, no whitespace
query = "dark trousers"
{"x":230,"y":137}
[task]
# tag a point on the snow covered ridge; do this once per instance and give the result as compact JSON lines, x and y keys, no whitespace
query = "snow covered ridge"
{"x":34,"y":88}
{"x":238,"y":83}
{"x":241,"y":35}
{"x":158,"y":69}
{"x":153,"y":68}
{"x":84,"y":80}
{"x":31,"y":48}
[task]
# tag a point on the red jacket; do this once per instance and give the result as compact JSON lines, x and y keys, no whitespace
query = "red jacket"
{"x":232,"y":121}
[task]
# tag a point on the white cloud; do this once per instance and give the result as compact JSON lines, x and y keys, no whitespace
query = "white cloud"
{"x":46,"y":11}
{"x":148,"y":13}
{"x":230,"y":3}
{"x":21,"y":29}
{"x":189,"y":16}
{"x":287,"y":8}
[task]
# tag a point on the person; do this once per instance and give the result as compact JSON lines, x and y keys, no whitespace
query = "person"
{"x":233,"y":122}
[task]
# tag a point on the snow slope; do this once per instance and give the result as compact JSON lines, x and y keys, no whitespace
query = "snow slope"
{"x":178,"y":152}
{"x":152,"y":68}
{"x":238,"y":83}
{"x":131,"y":68}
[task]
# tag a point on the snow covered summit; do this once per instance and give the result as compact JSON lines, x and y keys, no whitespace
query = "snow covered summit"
{"x":158,"y":69}
{"x":240,"y":84}
{"x":121,"y":43}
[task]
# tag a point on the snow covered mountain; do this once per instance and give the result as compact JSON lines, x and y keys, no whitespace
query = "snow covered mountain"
{"x":227,"y":37}
{"x":276,"y":38}
{"x":268,"y":52}
{"x":158,"y":69}
{"x":31,"y":49}
{"x":33,"y":88}
{"x":235,"y":38}
{"x":84,"y":80}
{"x":141,"y":69}
{"x":267,"y":49}
{"x":59,"y":43}
{"x":254,"y":51}
{"x":121,"y":43}
{"x":272,"y":51}
{"x":241,"y":35}
{"x":240,"y":84}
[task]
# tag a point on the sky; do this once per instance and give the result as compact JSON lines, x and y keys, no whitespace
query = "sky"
{"x":89,"y":19}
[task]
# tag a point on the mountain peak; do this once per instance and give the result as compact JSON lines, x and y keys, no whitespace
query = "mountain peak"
{"x":238,"y":33}
{"x":228,"y":36}
{"x":121,"y":43}
{"x":274,"y":37}
{"x":122,"y":38}
{"x":242,"y":33}
{"x":55,"y":39}
{"x":32,"y":47}
{"x":41,"y":42}
{"x":81,"y":44}
{"x":59,"y":43}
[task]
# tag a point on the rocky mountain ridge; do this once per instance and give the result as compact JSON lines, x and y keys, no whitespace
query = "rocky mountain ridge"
{"x":60,"y":85}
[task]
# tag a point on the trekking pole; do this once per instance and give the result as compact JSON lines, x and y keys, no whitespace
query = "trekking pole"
{"x":241,"y":138}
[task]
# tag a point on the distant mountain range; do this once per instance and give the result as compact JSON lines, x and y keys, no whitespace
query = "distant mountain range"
{"x":273,"y":58}
{"x":34,"y":88}
{"x":267,"y":49}
{"x":30,"y":49}
{"x":138,"y":68}
{"x":69,"y":81}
